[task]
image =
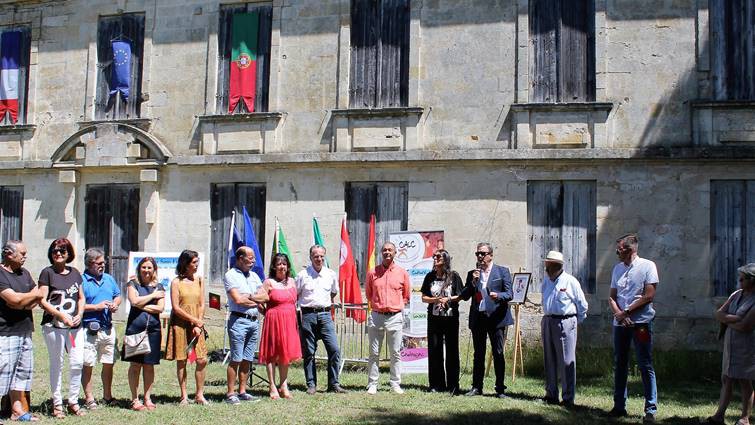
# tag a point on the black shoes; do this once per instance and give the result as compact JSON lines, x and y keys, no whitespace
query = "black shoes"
{"x":618,"y":413}
{"x":337,"y":389}
{"x":311,"y":390}
{"x":500,"y":395}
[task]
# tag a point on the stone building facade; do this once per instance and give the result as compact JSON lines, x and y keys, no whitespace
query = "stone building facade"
{"x":477,"y":117}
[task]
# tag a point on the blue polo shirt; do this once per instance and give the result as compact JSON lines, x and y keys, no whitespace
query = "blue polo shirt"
{"x":96,"y":292}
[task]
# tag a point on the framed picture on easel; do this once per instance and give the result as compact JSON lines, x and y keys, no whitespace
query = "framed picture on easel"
{"x":520,"y":286}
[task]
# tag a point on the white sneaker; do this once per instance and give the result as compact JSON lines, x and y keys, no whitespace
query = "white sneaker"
{"x":372,"y":390}
{"x":397,"y":389}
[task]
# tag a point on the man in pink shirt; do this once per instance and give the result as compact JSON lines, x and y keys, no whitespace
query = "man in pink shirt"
{"x":387,"y":291}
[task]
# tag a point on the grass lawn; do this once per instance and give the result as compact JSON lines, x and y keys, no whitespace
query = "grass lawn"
{"x":681,"y":401}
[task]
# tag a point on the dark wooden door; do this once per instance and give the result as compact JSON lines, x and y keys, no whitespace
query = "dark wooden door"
{"x":112,"y":224}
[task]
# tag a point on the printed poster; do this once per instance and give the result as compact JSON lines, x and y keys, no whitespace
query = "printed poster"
{"x":166,"y":270}
{"x":414,"y":252}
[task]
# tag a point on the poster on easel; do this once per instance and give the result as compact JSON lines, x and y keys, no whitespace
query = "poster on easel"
{"x":166,"y":272}
{"x":520,"y":286}
{"x":414,"y":253}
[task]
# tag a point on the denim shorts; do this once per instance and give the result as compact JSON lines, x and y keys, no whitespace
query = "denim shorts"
{"x":243,"y":334}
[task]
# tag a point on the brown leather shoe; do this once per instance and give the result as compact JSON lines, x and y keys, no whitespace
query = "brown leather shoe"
{"x":337,"y":389}
{"x":311,"y":390}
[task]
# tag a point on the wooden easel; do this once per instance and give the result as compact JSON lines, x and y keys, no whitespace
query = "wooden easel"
{"x":518,"y":353}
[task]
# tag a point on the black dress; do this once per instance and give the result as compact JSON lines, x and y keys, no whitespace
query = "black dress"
{"x":138,"y":320}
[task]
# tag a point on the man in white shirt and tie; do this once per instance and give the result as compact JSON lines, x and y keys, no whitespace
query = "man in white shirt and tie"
{"x":564,"y":306}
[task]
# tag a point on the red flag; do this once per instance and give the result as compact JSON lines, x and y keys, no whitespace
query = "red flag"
{"x":243,"y":73}
{"x":348,"y":279}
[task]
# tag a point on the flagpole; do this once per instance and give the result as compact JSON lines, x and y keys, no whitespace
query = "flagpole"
{"x":230,"y":238}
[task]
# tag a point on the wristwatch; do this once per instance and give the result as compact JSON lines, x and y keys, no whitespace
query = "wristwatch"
{"x":626,"y":311}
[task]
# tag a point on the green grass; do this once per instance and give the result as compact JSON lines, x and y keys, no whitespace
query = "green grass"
{"x":682,"y":400}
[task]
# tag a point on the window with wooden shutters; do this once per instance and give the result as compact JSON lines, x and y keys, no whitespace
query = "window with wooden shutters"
{"x":732,"y":236}
{"x":15,"y":50}
{"x":390,"y":204}
{"x":731,"y":49}
{"x":379,"y":75}
{"x":562,"y":39}
{"x":561,"y":216}
{"x":257,"y":49}
{"x":11,"y":213}
{"x":227,"y":198}
{"x":120,"y":49}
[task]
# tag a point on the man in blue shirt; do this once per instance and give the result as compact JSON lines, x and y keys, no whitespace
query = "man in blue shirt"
{"x":243,"y":288}
{"x":103,"y":297}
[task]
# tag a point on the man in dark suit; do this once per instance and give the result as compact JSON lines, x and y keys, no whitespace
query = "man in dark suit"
{"x":489,"y":287}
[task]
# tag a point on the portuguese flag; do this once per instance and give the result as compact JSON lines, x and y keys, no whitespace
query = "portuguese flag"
{"x":243,"y":84}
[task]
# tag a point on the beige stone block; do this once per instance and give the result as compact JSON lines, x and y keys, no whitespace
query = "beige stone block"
{"x":561,"y":129}
{"x":10,"y":149}
{"x":134,"y":150}
{"x":67,"y":176}
{"x":379,"y":134}
{"x":239,"y":138}
{"x":151,"y":176}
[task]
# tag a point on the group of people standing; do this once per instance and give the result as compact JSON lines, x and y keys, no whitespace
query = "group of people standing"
{"x":78,"y":307}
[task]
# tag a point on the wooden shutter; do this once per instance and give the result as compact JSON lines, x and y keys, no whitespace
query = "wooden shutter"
{"x":732,"y":231}
{"x":263,"y":58}
{"x":11,"y":214}
{"x":364,"y":40}
{"x":361,"y":202}
{"x":577,"y":51}
{"x":731,"y":49}
{"x":225,"y":198}
{"x":578,"y":232}
{"x":112,"y":224}
{"x":543,"y":21}
{"x":389,"y":203}
{"x":545,"y":218}
{"x":23,"y":73}
{"x":129,"y":27}
{"x":393,"y":48}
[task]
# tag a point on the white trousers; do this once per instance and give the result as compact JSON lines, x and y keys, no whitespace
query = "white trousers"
{"x":60,"y":341}
{"x":391,"y":327}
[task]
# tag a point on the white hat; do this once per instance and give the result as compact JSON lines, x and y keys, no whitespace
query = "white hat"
{"x":554,"y":257}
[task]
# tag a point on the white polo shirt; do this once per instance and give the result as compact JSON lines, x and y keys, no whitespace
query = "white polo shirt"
{"x":629,"y":282}
{"x":314,"y":289}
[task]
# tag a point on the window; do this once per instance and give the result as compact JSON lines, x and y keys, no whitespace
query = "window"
{"x":120,"y":48}
{"x":112,"y":224}
{"x":732,"y":236}
{"x":389,"y":202}
{"x":731,"y":49}
{"x":561,"y":216}
{"x":15,"y":48}
{"x":244,"y":58}
{"x":11,"y":213}
{"x":379,"y":75}
{"x":226,"y":198}
{"x":562,"y":36}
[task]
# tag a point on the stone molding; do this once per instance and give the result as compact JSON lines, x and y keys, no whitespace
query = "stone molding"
{"x":12,"y":140}
{"x":238,"y":133}
{"x":378,"y":129}
{"x":723,"y":122}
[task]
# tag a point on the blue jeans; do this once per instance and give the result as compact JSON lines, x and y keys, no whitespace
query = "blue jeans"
{"x":243,"y":334}
{"x":316,"y":326}
{"x":642,"y":336}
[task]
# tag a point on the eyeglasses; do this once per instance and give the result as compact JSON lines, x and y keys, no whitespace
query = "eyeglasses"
{"x":99,"y":263}
{"x":481,"y":253}
{"x":437,"y":255}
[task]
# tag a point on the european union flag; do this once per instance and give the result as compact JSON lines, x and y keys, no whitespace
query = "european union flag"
{"x":120,"y":78}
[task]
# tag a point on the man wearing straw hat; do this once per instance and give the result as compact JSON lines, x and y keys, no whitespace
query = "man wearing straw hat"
{"x":564,"y":306}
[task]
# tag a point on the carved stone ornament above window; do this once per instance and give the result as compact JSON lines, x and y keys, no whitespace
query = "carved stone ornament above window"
{"x":111,"y":143}
{"x":383,"y":129}
{"x":238,"y":133}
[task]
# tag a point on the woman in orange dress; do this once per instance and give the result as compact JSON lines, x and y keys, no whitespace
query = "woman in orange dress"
{"x":187,"y":323}
{"x":280,"y":343}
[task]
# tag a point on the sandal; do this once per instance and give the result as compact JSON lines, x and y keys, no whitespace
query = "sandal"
{"x":202,"y":401}
{"x":76,"y":410}
{"x":149,"y":405}
{"x":285,"y":393}
{"x":274,"y":394}
{"x":91,"y":404}
{"x":26,"y":417}
{"x":183,"y":402}
{"x":137,"y":406}
{"x":58,"y":412}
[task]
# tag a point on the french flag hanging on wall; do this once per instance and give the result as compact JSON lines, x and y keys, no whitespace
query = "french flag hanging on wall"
{"x":10,"y":52}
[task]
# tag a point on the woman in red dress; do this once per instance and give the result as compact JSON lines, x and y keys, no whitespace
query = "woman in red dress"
{"x":280,"y":343}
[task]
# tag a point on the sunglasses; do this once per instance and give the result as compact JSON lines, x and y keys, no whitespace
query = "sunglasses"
{"x":437,"y":255}
{"x":481,"y":253}
{"x":60,"y":251}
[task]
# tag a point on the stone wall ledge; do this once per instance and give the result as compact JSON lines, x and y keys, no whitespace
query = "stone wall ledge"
{"x":20,"y":128}
{"x":253,"y":116}
{"x":377,"y":112}
{"x":723,"y":153}
{"x":562,"y":107}
{"x":723,"y":104}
